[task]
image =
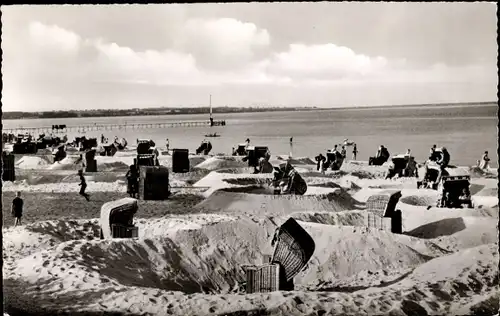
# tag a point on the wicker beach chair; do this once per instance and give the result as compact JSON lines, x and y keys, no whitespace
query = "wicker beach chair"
{"x":117,"y":219}
{"x":293,"y":249}
{"x":384,"y":203}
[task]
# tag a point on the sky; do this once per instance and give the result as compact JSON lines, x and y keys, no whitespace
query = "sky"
{"x":323,"y":54}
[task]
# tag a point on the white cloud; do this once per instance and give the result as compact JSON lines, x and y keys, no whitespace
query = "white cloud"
{"x":327,"y":61}
{"x":222,"y":43}
{"x":226,"y":53}
{"x":53,"y":37}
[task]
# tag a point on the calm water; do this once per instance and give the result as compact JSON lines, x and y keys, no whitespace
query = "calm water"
{"x":467,"y":131}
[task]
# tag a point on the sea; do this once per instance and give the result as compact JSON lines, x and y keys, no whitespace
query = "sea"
{"x":465,"y":130}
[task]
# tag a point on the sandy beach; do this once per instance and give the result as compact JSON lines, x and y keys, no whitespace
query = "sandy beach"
{"x":191,"y":248}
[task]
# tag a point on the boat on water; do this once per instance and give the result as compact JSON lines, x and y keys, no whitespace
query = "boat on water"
{"x":211,"y":122}
{"x":212,"y":135}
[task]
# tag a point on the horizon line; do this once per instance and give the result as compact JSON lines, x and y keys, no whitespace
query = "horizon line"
{"x":271,"y":107}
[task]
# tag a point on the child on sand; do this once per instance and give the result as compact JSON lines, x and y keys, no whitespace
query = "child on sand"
{"x":17,"y":209}
{"x":83,"y":185}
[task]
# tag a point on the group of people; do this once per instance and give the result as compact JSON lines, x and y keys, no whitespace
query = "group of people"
{"x":449,"y":200}
{"x":334,"y":159}
{"x":287,"y":180}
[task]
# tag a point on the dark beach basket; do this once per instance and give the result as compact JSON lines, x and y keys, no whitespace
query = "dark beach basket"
{"x":294,"y":247}
{"x":122,"y":231}
{"x":8,"y":166}
{"x":180,"y":160}
{"x":262,"y":278}
{"x":154,"y":183}
{"x":143,"y":148}
{"x":91,"y":165}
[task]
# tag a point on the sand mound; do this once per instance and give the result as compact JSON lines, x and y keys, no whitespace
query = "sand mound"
{"x":418,"y":200}
{"x":444,"y":227}
{"x":458,"y":233}
{"x":105,"y":163}
{"x":187,"y":260}
{"x":246,"y":181}
{"x":294,"y":161}
{"x":33,"y":162}
{"x":488,"y":192}
{"x":224,"y":201}
{"x":476,"y":172}
{"x":343,"y":251}
{"x":68,"y":163}
{"x":347,"y":218}
{"x":248,"y":170}
{"x":215,"y":163}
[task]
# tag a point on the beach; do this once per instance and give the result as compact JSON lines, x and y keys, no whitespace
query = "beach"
{"x":466,"y":130}
{"x":188,"y":257}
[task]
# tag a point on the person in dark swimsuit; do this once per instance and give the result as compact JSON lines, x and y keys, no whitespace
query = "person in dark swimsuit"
{"x":83,"y":185}
{"x":17,"y":209}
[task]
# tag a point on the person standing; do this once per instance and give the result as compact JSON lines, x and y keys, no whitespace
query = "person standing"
{"x":17,"y":209}
{"x":167,"y":145}
{"x":343,"y":153}
{"x":83,"y":185}
{"x":133,"y":181}
{"x":354,"y":152}
{"x":291,"y":146}
{"x":485,"y":161}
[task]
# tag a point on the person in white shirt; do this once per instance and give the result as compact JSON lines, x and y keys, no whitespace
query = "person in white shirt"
{"x":485,"y":161}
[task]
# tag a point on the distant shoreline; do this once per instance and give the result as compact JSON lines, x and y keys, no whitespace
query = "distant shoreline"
{"x":17,"y":115}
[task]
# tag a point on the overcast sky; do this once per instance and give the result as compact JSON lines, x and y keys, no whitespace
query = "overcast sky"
{"x":280,"y":54}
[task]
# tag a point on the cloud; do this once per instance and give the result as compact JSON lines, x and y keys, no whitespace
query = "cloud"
{"x":52,"y":37}
{"x":327,"y":61}
{"x":222,"y":43}
{"x":224,"y":55}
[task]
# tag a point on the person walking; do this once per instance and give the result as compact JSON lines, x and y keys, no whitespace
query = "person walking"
{"x":83,"y":185}
{"x":354,"y":152}
{"x":17,"y":209}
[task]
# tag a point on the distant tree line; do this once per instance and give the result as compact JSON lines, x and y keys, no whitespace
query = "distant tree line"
{"x":147,"y":111}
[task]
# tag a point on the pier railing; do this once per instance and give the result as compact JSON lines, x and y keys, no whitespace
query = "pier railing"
{"x":106,"y":127}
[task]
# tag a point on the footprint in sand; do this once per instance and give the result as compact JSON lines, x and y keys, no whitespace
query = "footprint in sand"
{"x":46,"y":263}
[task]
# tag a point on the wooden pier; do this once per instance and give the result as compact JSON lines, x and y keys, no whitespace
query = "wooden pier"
{"x":108,"y":127}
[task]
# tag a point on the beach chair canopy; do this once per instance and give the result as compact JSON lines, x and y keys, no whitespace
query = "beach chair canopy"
{"x":456,"y":173}
{"x":293,"y":249}
{"x":117,"y":212}
{"x":383,"y":203}
{"x":400,"y":161}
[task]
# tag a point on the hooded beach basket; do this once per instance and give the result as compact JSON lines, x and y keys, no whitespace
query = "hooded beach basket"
{"x":293,"y":249}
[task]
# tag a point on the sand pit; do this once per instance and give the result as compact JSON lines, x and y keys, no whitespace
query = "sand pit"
{"x":105,"y":163}
{"x":418,"y":200}
{"x":241,"y":203}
